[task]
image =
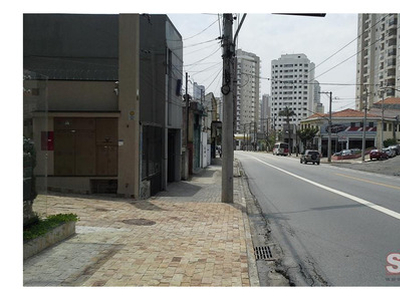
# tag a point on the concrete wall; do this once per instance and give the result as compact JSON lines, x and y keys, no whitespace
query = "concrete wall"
{"x":81,"y":96}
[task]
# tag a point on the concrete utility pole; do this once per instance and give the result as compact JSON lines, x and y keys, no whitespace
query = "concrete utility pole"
{"x":330,"y":129}
{"x":227,"y":124}
{"x":364,"y":127}
{"x":383,"y":118}
{"x":329,"y":126}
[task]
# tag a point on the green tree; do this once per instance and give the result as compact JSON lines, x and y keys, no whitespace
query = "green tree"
{"x":307,"y":135}
{"x":287,"y":113}
{"x":29,"y":194}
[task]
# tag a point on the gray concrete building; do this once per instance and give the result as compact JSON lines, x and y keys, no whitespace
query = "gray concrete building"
{"x":103,"y":101}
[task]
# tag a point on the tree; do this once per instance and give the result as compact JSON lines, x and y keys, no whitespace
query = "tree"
{"x":287,"y":113}
{"x":29,"y":185}
{"x":307,"y":135}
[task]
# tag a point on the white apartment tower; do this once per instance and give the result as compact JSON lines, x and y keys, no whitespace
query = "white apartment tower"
{"x":248,"y":91}
{"x":378,"y":59}
{"x":292,"y":86}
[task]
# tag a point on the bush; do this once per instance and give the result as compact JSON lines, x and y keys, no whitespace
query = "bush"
{"x":41,"y":226}
{"x":389,"y":142}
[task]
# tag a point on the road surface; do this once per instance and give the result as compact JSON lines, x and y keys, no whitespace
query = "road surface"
{"x":335,"y":226}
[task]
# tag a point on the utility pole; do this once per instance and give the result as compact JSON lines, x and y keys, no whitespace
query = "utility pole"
{"x":329,"y":126}
{"x":330,"y":129}
{"x":364,"y":127}
{"x":187,"y":113}
{"x":227,"y":124}
{"x":383,"y":118}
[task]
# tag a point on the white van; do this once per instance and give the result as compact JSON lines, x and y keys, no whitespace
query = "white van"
{"x":280,"y":149}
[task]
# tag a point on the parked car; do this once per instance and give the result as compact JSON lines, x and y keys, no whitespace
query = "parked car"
{"x":310,"y":156}
{"x":377,"y":154}
{"x":343,"y":153}
{"x":355,"y":151}
{"x":396,"y":149}
{"x":391,"y":153}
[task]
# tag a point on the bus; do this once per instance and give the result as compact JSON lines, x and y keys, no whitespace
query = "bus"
{"x":280,"y":149}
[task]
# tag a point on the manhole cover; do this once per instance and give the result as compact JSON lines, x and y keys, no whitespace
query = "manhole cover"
{"x":263,"y":253}
{"x":139,"y":222}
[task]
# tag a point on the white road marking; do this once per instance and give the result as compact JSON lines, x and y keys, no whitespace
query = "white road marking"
{"x":343,"y":194}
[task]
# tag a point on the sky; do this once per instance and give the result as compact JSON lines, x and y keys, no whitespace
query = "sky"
{"x":329,"y":42}
{"x":269,"y":36}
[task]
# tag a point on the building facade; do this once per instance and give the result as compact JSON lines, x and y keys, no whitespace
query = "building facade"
{"x":346,"y":131}
{"x":247,"y":104}
{"x":292,"y":86}
{"x":107,"y":110}
{"x":378,"y":62}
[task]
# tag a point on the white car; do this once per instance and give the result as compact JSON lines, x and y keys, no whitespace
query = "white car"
{"x":389,"y":152}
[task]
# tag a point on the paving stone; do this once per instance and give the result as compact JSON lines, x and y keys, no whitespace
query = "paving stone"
{"x":195,"y":240}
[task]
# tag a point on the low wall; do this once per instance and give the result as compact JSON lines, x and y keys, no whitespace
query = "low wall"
{"x":352,"y":156}
{"x":52,"y":237}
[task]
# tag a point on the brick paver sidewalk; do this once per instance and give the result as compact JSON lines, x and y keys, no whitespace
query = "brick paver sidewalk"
{"x":182,"y":237}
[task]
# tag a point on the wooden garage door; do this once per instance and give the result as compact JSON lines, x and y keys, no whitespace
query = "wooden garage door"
{"x":106,"y":146}
{"x":85,"y":146}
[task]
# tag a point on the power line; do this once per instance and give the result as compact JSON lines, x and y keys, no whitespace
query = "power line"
{"x":204,"y":57}
{"x":206,"y":69}
{"x":378,"y":40}
{"x":196,"y":44}
{"x":347,"y":44}
{"x":203,"y":29}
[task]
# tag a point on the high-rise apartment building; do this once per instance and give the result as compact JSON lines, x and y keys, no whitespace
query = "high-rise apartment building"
{"x":378,"y":60}
{"x":248,"y":91}
{"x":292,"y":86}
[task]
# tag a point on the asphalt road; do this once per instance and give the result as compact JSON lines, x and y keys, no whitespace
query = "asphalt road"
{"x":335,"y":226}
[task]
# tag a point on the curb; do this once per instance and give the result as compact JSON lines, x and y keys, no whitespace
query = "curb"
{"x":253,"y":271}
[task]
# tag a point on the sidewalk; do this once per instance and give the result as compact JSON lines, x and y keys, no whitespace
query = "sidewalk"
{"x":182,"y":237}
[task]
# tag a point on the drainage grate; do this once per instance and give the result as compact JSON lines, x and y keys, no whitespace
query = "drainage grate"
{"x":139,"y":222}
{"x":263,"y":253}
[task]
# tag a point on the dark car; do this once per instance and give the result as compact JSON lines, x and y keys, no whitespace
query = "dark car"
{"x":377,"y":154}
{"x":310,"y":156}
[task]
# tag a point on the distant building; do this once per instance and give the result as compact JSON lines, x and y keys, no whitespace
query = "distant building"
{"x":265,"y":112}
{"x":347,"y":127}
{"x":318,"y":106}
{"x":389,"y":110}
{"x":292,"y":86}
{"x":198,"y":92}
{"x":378,"y":63}
{"x":248,"y":91}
